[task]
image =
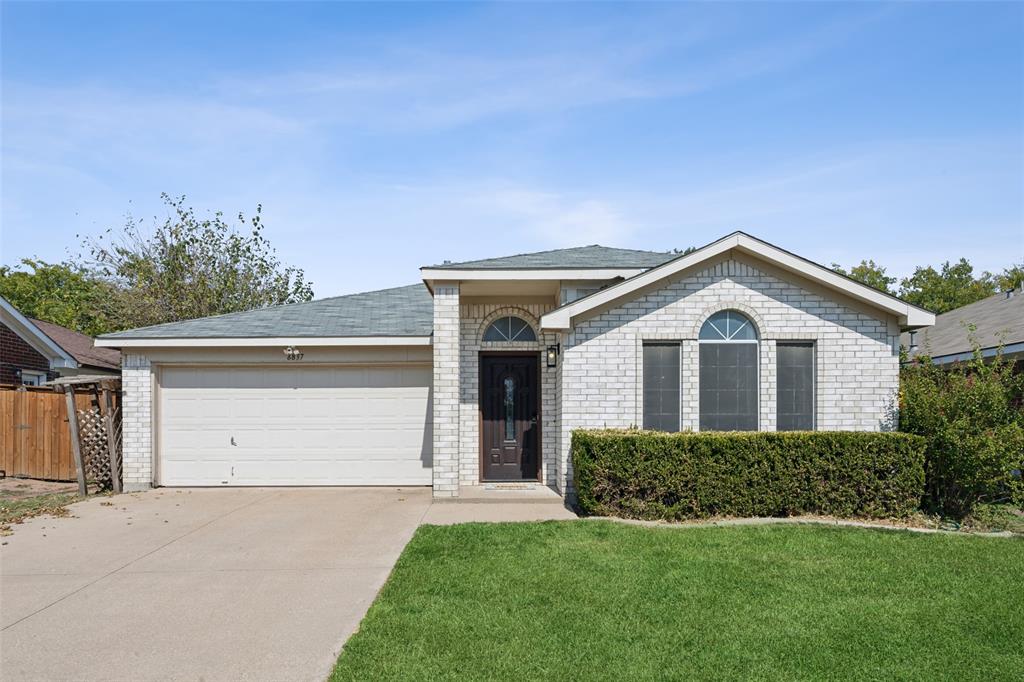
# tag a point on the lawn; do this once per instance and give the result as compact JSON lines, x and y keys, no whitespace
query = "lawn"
{"x":600,"y":600}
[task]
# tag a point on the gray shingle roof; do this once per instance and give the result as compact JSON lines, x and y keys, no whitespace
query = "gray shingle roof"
{"x":999,"y":320}
{"x":580,"y":257}
{"x":403,"y":311}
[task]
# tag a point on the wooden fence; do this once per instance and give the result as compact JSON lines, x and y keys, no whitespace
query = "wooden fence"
{"x":34,"y":437}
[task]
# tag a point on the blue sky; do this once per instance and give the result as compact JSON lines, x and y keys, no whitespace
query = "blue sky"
{"x":380,"y":138}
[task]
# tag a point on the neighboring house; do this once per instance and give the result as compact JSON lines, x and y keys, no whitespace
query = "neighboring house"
{"x":997,"y":321}
{"x":480,"y":373}
{"x":33,"y":352}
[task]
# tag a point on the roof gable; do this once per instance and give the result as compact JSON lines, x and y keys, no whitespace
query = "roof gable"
{"x":34,"y":336}
{"x":909,"y":316}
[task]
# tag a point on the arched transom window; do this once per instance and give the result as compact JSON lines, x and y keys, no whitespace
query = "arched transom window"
{"x":728,"y":325}
{"x":728,"y":373}
{"x":510,"y":328}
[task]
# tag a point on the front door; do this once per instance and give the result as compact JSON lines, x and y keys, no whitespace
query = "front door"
{"x":509,"y":402}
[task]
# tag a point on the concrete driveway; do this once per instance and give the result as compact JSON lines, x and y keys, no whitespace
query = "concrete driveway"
{"x":221,"y":584}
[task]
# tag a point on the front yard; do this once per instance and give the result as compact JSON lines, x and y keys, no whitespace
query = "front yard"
{"x":600,"y":600}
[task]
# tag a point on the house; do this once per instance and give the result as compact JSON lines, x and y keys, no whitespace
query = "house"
{"x":479,"y":374}
{"x":33,"y":352}
{"x":998,"y":324}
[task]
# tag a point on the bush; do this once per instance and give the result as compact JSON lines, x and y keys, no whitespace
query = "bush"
{"x":652,"y":475}
{"x":972,"y":418}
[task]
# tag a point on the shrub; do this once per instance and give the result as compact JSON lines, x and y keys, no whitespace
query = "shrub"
{"x":652,"y":475}
{"x":972,"y":418}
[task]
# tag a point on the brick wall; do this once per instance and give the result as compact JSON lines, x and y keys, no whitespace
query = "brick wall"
{"x":474,"y":320}
{"x":857,"y":364}
{"x":137,"y":424}
{"x":16,"y":354}
{"x":446,"y":390}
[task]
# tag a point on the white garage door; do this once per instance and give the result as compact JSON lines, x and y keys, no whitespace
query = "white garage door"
{"x":295,"y":426}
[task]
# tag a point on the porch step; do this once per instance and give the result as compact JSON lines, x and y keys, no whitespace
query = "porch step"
{"x":527,"y":493}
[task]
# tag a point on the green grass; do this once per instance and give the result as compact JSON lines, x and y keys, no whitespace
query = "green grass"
{"x":15,"y":509}
{"x":600,"y":600}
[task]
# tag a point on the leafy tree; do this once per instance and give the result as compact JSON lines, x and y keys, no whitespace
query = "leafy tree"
{"x":870,"y":273}
{"x":62,"y":293}
{"x":1011,"y":278}
{"x":193,"y":267}
{"x":972,"y":418}
{"x":951,"y":287}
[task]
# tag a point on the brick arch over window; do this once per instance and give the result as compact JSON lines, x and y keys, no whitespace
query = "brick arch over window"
{"x":755,"y":319}
{"x":510,"y":311}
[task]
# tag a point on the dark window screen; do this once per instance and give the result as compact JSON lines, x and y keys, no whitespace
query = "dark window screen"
{"x":661,"y":386}
{"x":795,"y":382}
{"x":728,"y":387}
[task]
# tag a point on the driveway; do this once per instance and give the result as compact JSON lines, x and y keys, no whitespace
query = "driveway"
{"x":213,"y":584}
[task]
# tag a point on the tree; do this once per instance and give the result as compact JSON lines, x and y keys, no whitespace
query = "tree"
{"x":1011,"y":278}
{"x":62,"y":293}
{"x":868,"y":272}
{"x":193,"y":267}
{"x":954,"y":286}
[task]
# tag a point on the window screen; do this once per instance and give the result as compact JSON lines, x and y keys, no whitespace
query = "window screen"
{"x":795,"y":382}
{"x":728,"y":387}
{"x":661,"y":386}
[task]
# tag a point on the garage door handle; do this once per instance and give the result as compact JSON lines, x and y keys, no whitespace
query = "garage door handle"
{"x":233,"y":441}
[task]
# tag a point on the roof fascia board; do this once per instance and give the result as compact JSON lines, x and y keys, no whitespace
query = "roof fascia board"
{"x":967,"y":355}
{"x":909,"y":316}
{"x":34,"y":336}
{"x":262,"y":342}
{"x":434,"y":275}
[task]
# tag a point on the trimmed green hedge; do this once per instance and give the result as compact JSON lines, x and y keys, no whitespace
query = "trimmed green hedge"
{"x":674,"y":476}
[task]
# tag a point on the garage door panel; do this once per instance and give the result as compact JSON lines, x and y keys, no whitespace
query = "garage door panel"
{"x":295,"y":426}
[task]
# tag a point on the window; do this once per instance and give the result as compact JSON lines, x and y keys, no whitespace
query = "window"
{"x":661,"y":386}
{"x":510,"y":329}
{"x":728,"y":373}
{"x":795,"y":386}
{"x":32,"y":378}
{"x":510,"y":408}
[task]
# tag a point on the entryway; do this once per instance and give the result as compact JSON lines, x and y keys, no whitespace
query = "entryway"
{"x":510,"y":416}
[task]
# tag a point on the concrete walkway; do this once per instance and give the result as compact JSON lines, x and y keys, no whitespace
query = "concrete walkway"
{"x":213,"y":584}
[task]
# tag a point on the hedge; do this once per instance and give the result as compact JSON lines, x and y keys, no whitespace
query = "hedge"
{"x":675,"y":476}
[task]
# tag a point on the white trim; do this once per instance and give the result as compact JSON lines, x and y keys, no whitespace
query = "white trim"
{"x":263,"y":342}
{"x":909,"y":315}
{"x":39,"y":376}
{"x":34,"y":336}
{"x":436,"y":274}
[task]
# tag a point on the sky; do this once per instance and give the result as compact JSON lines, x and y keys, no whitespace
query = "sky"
{"x":379,"y":138}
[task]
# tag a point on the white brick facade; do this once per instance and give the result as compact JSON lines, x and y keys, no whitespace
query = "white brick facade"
{"x":857,"y":361}
{"x":446,"y":389}
{"x":475,"y":319}
{"x":137,"y":422}
{"x":598,"y":379}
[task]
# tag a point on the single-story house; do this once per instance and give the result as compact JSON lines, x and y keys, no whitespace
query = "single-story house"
{"x":33,"y":352}
{"x":995,"y":324}
{"x":479,"y":374}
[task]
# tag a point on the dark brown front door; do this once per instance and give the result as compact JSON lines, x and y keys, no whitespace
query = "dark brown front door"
{"x":509,"y":401}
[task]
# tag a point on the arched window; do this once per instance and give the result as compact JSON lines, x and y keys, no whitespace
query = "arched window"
{"x":510,"y":329}
{"x":728,"y":325}
{"x":728,"y":373}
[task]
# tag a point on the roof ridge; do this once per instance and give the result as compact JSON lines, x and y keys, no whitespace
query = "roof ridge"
{"x":547,"y":251}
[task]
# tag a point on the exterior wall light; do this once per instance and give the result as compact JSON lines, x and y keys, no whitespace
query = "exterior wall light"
{"x":292,"y":353}
{"x":552,"y":355}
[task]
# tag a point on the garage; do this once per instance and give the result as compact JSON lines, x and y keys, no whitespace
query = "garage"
{"x":294,"y":425}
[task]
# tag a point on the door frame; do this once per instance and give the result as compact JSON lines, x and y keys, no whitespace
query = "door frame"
{"x":480,"y":412}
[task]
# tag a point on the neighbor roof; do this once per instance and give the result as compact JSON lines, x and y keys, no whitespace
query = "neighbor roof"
{"x":998,"y":320}
{"x":80,"y":346}
{"x":402,"y":311}
{"x":576,"y":258}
